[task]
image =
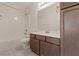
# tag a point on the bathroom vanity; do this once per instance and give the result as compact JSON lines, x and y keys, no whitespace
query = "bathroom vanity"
{"x":45,"y":44}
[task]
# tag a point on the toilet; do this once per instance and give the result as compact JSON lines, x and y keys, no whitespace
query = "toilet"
{"x":25,"y":42}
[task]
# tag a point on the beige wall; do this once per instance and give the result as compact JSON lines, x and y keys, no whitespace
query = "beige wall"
{"x":31,"y":18}
{"x":48,"y":19}
{"x":10,"y":29}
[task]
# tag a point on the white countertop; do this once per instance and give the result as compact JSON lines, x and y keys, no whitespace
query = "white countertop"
{"x":52,"y":34}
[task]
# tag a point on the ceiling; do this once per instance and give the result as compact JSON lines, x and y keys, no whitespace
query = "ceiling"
{"x":17,"y":5}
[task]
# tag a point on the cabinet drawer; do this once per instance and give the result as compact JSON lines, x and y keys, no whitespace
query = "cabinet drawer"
{"x":52,"y":50}
{"x":47,"y":49}
{"x":52,"y":40}
{"x":40,"y":37}
{"x":32,"y":35}
{"x":42,"y":48}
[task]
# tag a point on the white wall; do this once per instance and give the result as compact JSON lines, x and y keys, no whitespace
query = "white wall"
{"x":11,"y":29}
{"x":48,"y":19}
{"x":31,"y":17}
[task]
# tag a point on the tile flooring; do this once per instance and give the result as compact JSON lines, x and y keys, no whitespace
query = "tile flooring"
{"x":15,"y":48}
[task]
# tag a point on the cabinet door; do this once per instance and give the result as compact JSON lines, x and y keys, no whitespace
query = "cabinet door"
{"x":70,"y":31}
{"x":42,"y":48}
{"x":34,"y":44}
{"x":47,"y":49}
{"x":52,"y":50}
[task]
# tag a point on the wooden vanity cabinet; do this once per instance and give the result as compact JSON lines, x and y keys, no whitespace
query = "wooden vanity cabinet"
{"x":44,"y":45}
{"x":34,"y":44}
{"x":32,"y":36}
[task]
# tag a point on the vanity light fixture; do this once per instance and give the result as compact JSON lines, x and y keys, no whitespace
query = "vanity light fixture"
{"x":43,"y":5}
